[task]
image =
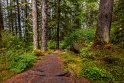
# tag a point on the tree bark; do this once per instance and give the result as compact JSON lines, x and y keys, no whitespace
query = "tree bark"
{"x":1,"y":25}
{"x":104,"y":22}
{"x":11,"y":18}
{"x":44,"y":25}
{"x":19,"y":20}
{"x":35,"y":27}
{"x":58,"y":23}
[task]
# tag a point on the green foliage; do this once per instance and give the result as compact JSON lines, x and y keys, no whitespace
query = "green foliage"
{"x":14,"y":61}
{"x":6,"y":36}
{"x":19,"y":43}
{"x":117,"y":37}
{"x":90,"y":10}
{"x":103,"y":65}
{"x":86,"y":52}
{"x":85,"y":35}
{"x":117,"y":32}
{"x":69,"y":60}
{"x":15,"y":42}
{"x":19,"y":62}
{"x":51,"y":44}
{"x":96,"y":73}
{"x":100,"y":66}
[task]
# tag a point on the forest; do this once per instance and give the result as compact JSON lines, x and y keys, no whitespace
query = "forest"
{"x":61,"y":41}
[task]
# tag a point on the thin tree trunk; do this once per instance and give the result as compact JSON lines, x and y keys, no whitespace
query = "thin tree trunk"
{"x":44,"y":25}
{"x":104,"y":22}
{"x":8,"y":14}
{"x":16,"y":29}
{"x":15,"y":19}
{"x":58,"y":23}
{"x":1,"y":25}
{"x":19,"y":20}
{"x":35,"y":27}
{"x":26,"y":22}
{"x":11,"y":18}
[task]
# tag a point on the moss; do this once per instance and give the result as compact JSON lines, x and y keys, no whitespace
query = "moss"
{"x":108,"y":63}
{"x":72,"y":62}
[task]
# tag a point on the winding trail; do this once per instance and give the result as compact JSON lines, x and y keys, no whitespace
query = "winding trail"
{"x":48,"y":70}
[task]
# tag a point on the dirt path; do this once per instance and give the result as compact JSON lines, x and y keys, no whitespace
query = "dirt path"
{"x":49,"y":70}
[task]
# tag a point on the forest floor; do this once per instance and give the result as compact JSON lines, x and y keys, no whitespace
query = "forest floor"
{"x":48,"y":70}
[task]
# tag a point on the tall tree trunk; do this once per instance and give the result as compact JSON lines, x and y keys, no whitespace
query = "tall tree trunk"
{"x":1,"y":26}
{"x":19,"y":20}
{"x":26,"y":22}
{"x":44,"y":25}
{"x":35,"y":27}
{"x":58,"y":23}
{"x":11,"y":18}
{"x":104,"y":22}
{"x":15,"y":19}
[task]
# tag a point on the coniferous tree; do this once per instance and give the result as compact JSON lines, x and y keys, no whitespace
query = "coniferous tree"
{"x":35,"y":27}
{"x":19,"y":20}
{"x":1,"y":25}
{"x":58,"y":22}
{"x":104,"y":22}
{"x":44,"y":25}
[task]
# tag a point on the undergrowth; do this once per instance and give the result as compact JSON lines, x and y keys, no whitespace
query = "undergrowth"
{"x":85,"y":35}
{"x":99,"y":66}
{"x":13,"y":62}
{"x":72,"y":62}
{"x":21,"y":62}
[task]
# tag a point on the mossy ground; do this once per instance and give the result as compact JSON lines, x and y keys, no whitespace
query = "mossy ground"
{"x":108,"y":64}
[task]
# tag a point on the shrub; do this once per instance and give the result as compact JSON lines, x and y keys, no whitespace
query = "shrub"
{"x":117,"y":35}
{"x":86,"y":53}
{"x":18,"y":62}
{"x":96,"y":73}
{"x":85,"y":35}
{"x":51,"y":44}
{"x":6,"y":36}
{"x":15,"y":42}
{"x":19,"y":43}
